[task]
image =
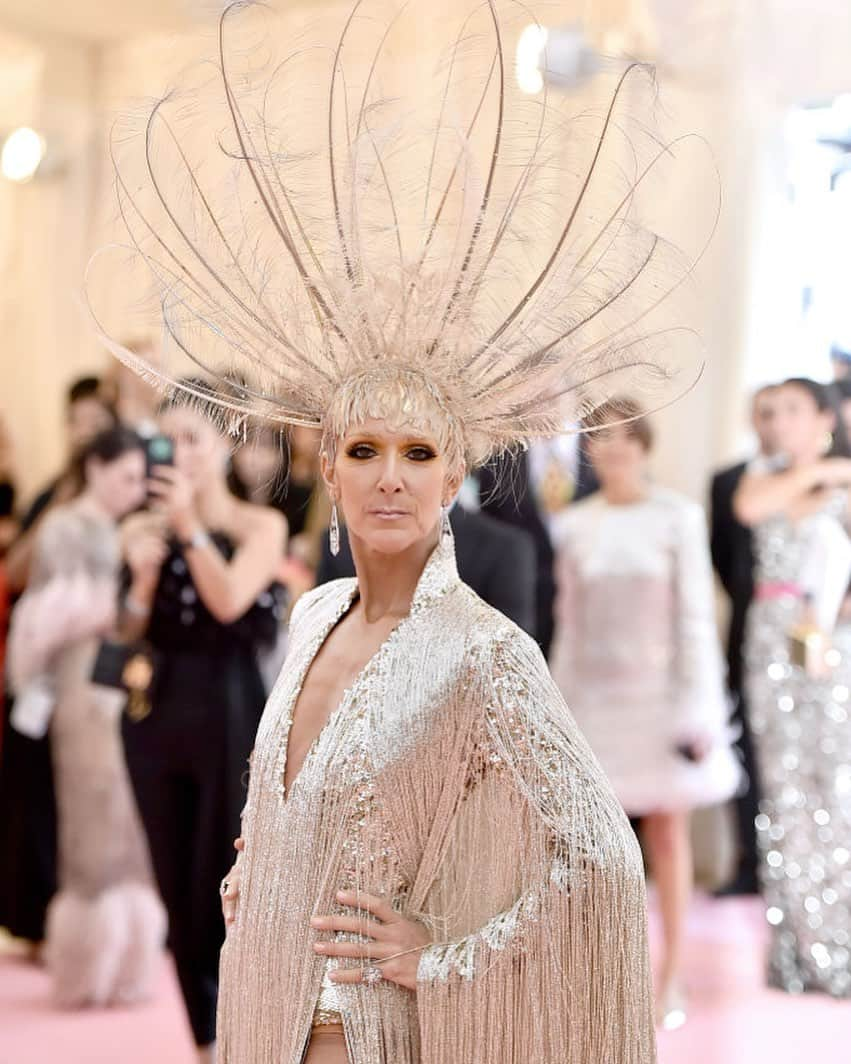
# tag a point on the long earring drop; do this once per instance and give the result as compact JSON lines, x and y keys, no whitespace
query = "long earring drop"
{"x":334,"y":531}
{"x":445,"y":526}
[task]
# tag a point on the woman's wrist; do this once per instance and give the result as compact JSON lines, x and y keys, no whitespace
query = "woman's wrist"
{"x":139,"y":599}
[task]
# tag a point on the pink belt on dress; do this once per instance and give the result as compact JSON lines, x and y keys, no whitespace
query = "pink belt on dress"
{"x":766,"y":592}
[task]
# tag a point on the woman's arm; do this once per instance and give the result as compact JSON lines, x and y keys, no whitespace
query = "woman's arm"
{"x":229,"y":588}
{"x":566,"y":633}
{"x":702,"y":709}
{"x":144,"y":548}
{"x":562,"y":973}
{"x":763,"y":495}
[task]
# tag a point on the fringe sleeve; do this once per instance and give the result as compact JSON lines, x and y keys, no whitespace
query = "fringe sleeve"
{"x":560,"y":975}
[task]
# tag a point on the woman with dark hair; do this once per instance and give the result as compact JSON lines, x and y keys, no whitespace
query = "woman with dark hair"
{"x":105,"y":926}
{"x":637,"y":656}
{"x":202,"y":593}
{"x":798,"y":691}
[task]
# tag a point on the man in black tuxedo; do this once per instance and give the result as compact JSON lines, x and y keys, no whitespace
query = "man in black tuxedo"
{"x":506,"y":492}
{"x":732,"y":556}
{"x":497,"y":561}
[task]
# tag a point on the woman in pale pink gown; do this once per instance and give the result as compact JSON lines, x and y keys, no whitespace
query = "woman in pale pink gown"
{"x":105,"y":925}
{"x":636,"y":654}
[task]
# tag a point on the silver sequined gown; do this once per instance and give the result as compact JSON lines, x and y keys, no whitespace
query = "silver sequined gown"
{"x":803,"y":746}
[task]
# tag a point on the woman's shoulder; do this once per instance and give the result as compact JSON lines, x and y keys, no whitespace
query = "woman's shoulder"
{"x":69,"y":523}
{"x":322,"y":600}
{"x":493,"y":638}
{"x":674,"y":505}
{"x":253,"y":520}
{"x":575,"y":516}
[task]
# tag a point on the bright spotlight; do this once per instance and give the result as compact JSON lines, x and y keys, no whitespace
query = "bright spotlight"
{"x":23,"y":151}
{"x":530,"y":49}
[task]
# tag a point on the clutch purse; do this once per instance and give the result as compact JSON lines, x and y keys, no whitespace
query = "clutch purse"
{"x":130,"y":667}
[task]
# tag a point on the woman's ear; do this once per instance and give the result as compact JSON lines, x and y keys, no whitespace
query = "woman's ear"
{"x":329,"y":476}
{"x":452,"y":485}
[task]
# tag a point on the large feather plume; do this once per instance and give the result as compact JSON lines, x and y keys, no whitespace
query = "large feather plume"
{"x":317,"y":220}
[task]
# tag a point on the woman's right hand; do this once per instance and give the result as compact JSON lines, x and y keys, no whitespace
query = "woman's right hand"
{"x":231,"y":884}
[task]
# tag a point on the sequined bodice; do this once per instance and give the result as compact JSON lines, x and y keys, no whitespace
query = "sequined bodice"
{"x":780,"y":545}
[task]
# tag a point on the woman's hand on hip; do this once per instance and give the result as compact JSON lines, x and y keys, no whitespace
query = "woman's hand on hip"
{"x":393,"y":945}
{"x":231,"y":884}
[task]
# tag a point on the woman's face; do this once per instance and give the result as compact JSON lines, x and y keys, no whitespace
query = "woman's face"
{"x":87,"y":417}
{"x":200,"y":450}
{"x":258,"y":462}
{"x":617,"y":455}
{"x":390,"y":485}
{"x":801,"y":428}
{"x":118,"y":486}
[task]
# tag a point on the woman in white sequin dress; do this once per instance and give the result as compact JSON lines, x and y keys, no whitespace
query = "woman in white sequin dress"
{"x":637,"y":656}
{"x":800,"y":723}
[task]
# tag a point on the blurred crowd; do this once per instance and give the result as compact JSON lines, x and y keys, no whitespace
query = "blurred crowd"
{"x":144,"y":596}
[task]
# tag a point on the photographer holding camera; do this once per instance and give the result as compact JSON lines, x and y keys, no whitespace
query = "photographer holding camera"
{"x":202,"y":566}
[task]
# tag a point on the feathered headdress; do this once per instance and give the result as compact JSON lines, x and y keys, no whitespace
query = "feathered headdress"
{"x":330,"y":231}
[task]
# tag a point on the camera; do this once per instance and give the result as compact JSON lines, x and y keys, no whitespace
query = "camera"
{"x":159,"y":452}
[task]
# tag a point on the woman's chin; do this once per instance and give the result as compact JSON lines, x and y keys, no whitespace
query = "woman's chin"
{"x":391,"y":540}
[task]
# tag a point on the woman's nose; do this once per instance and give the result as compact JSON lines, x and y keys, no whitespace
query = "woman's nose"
{"x":389,"y":477}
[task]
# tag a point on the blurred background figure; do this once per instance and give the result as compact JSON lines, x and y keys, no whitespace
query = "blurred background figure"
{"x":87,"y":412}
{"x":798,"y":705}
{"x":106,"y":924}
{"x":495,"y":559}
{"x":732,"y":556}
{"x":134,"y":399}
{"x":27,"y":805}
{"x":637,"y":657}
{"x":842,"y":391}
{"x":8,"y":490}
{"x":527,"y":490}
{"x":840,"y":361}
{"x":8,"y":531}
{"x":203,"y":563}
{"x":281,"y":470}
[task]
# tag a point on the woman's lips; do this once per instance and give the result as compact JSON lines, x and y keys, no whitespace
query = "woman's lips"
{"x":389,"y":515}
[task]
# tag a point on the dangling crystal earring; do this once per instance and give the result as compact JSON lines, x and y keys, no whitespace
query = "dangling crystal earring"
{"x":445,"y":527}
{"x":334,"y":531}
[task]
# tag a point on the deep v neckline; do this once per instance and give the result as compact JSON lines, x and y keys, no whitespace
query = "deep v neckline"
{"x":345,"y":698}
{"x":438,"y":577}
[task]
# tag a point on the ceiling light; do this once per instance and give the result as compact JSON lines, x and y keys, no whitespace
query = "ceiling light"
{"x":23,"y":151}
{"x":530,"y":49}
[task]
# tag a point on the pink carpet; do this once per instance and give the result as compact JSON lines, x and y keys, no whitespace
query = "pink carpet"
{"x":732,"y":1019}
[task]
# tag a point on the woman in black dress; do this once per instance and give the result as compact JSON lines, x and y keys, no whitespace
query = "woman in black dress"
{"x":202,"y":593}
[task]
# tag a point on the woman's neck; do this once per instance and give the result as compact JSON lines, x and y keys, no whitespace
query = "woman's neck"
{"x":89,"y":503}
{"x":624,"y":492}
{"x":803,"y":461}
{"x":387,"y":582}
{"x":215,"y":505}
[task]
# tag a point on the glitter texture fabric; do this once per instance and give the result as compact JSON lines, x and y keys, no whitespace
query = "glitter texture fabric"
{"x":636,"y":650}
{"x":803,"y":742}
{"x":452,"y":780}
